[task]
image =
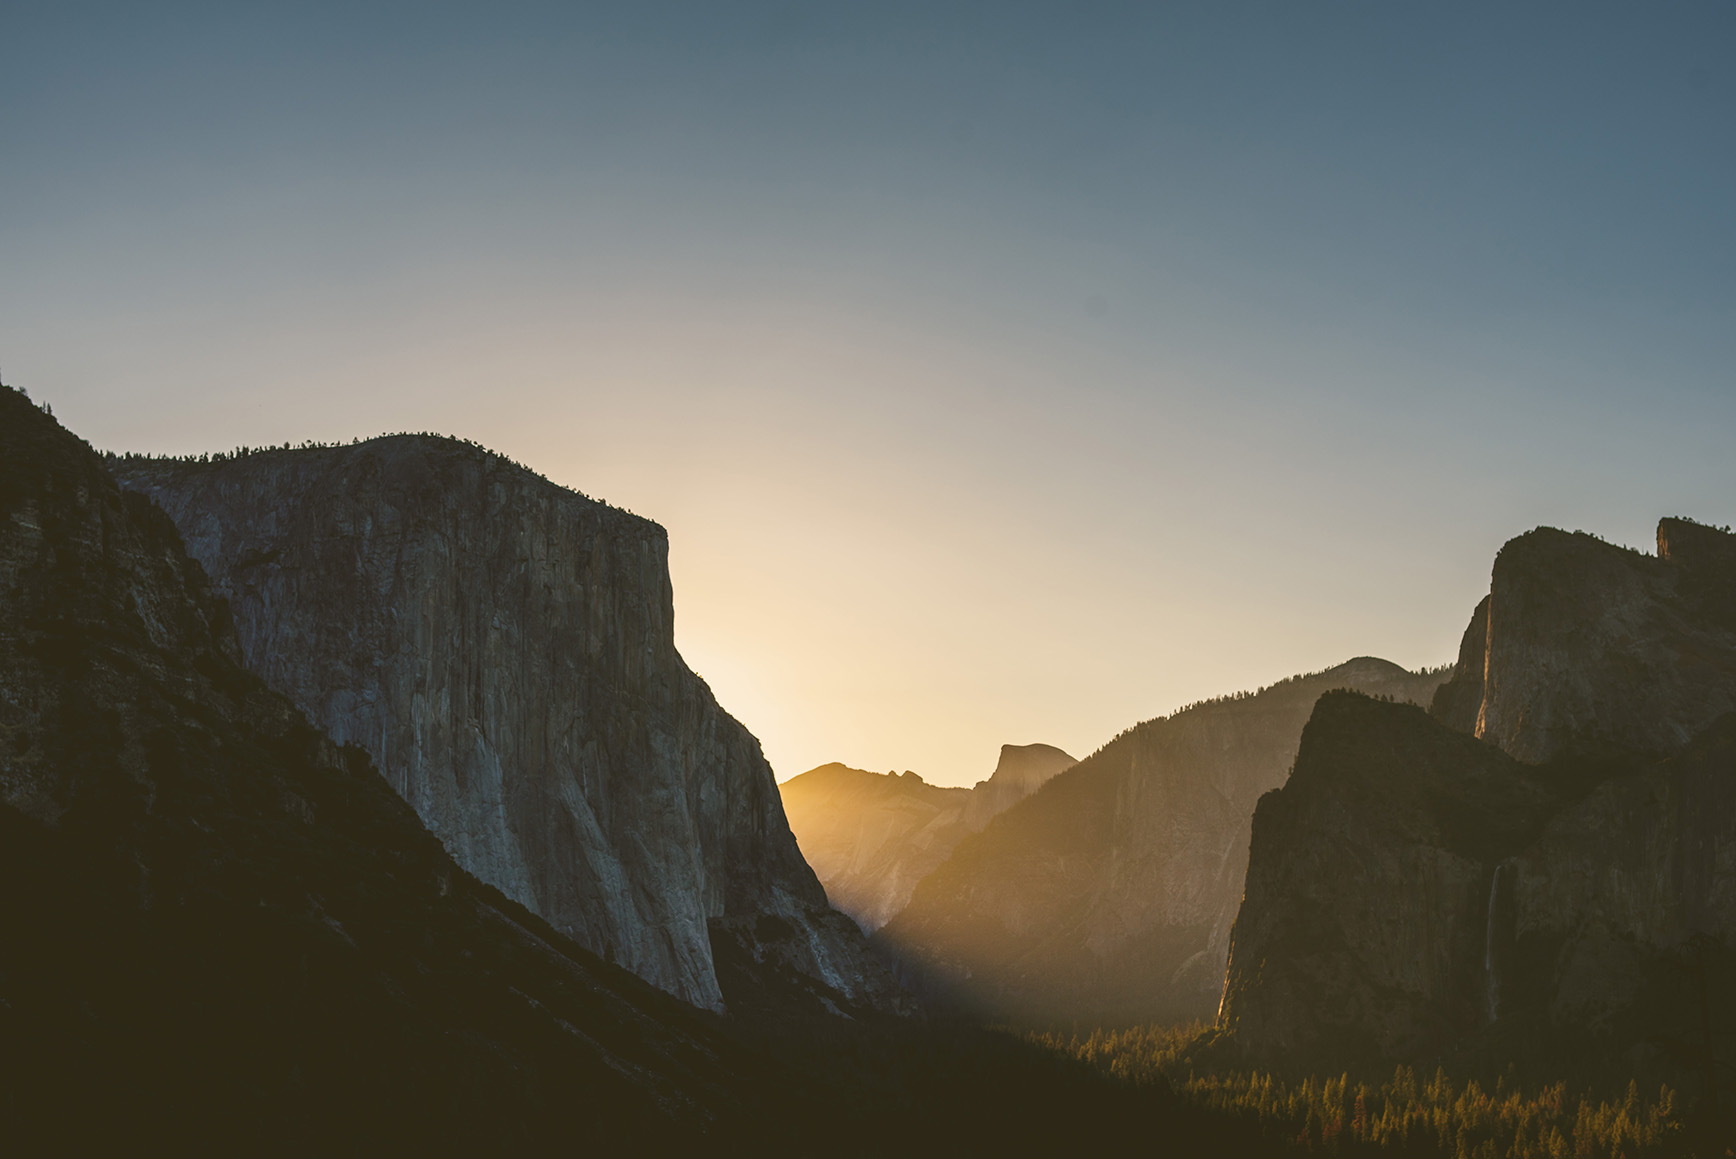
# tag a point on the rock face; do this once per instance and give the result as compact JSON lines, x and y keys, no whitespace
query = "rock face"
{"x":1413,"y":893}
{"x":871,"y":837}
{"x":503,"y":648}
{"x":1583,"y":647}
{"x":1107,"y":896}
{"x":224,"y":933}
{"x":1021,"y":771}
{"x":1362,"y":931}
{"x":1626,"y":903}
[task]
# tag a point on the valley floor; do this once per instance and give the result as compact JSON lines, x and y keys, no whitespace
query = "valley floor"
{"x":1404,"y":1114}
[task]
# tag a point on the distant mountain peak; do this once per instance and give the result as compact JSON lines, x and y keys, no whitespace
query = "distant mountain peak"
{"x":1024,"y":762}
{"x":870,"y":837}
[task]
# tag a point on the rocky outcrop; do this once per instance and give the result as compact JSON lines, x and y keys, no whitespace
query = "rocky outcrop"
{"x":224,"y":933}
{"x":1107,"y":896}
{"x":1584,"y":647}
{"x":1362,"y":931}
{"x":1021,"y":771}
{"x":871,"y":836}
{"x":1414,"y":894}
{"x":503,"y":648}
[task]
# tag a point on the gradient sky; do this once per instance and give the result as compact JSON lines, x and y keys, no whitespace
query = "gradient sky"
{"x":1002,"y":373}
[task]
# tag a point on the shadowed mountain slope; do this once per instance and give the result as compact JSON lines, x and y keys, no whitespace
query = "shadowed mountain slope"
{"x":871,"y":836}
{"x":1107,"y":896}
{"x":504,"y":650}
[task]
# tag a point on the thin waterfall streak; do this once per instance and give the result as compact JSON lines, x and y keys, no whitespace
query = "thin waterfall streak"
{"x":1492,"y":975}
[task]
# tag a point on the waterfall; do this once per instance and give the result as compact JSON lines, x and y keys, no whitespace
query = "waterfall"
{"x":1491,"y":968}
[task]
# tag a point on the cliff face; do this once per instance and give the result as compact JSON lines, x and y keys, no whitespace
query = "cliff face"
{"x":1590,"y":648}
{"x":223,"y":932}
{"x":1413,"y":893}
{"x":1361,"y":934}
{"x":871,"y":837}
{"x":503,"y":648}
{"x":1614,"y":914}
{"x":1021,"y":771}
{"x":1108,"y":895}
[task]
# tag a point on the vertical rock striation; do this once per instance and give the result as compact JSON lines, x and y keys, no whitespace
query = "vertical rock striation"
{"x":504,"y":649}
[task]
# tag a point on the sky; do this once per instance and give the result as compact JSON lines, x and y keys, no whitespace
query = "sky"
{"x":1002,"y":373}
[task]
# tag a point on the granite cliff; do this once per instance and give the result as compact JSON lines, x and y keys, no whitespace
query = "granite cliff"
{"x":871,"y":837}
{"x":1361,"y":935}
{"x":1021,"y":770}
{"x":1107,"y":896}
{"x":1555,"y":891}
{"x":223,"y":933}
{"x":1584,"y":648}
{"x":503,"y":649}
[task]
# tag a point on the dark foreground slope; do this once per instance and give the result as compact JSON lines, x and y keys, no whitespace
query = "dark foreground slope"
{"x":504,"y":649}
{"x":1107,"y":896}
{"x":872,"y":836}
{"x":1417,"y":894}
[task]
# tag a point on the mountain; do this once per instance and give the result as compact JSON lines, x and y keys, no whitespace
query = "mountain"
{"x":1586,"y":648}
{"x":1021,"y":771}
{"x":1107,"y":896}
{"x":1542,"y":872}
{"x":224,"y":933}
{"x":503,"y":649}
{"x":1408,"y":819}
{"x":871,"y":836}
